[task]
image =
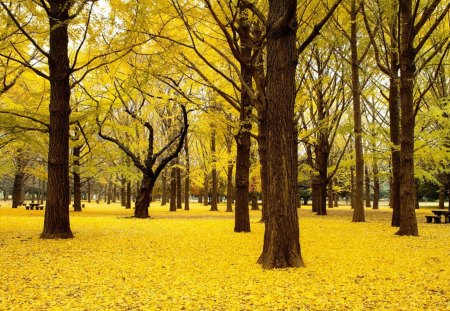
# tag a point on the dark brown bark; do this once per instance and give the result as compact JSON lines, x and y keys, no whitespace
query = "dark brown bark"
{"x":143,"y":198}
{"x":205,"y":190}
{"x":114,"y":193}
{"x":262,"y":151}
{"x":173,"y":190}
{"x":230,"y":187}
{"x":164,"y":188}
{"x":89,"y":190}
{"x":358,"y":200}
{"x":108,"y":200}
{"x":76,"y":179}
{"x":17,"y":192}
{"x":179,"y":189}
{"x":214,"y":184}
{"x":281,"y":236}
{"x":187,"y":182}
{"x":128,"y":203}
{"x":376,"y":186}
{"x":56,"y":218}
{"x":241,"y":214}
{"x":254,"y":196}
{"x":123,"y":193}
{"x":367,"y":186}
{"x":330,"y":194}
{"x":408,"y":220}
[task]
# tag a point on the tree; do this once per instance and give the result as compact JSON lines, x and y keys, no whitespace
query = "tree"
{"x":281,"y":237}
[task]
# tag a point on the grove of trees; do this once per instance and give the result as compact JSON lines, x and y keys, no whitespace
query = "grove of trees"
{"x":280,"y":100}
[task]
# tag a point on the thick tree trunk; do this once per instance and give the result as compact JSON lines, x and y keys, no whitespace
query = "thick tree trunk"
{"x":352,"y":187}
{"x":358,"y":200}
{"x":56,"y":218}
{"x":230,"y":187}
{"x":173,"y":190}
{"x":330,"y":194}
{"x":367,"y":186}
{"x":17,"y":192}
{"x":408,"y":220}
{"x":281,"y":236}
{"x":262,"y":151}
{"x":143,"y":199}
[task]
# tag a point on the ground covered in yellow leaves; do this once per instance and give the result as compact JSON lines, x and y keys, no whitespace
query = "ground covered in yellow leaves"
{"x":192,"y":260}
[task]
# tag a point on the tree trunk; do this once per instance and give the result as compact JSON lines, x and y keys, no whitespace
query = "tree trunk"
{"x":376,"y":186}
{"x":17,"y":192}
{"x":123,"y":193}
{"x":442,"y":193}
{"x":164,"y":188}
{"x":143,"y":199}
{"x":358,"y":200}
{"x":367,"y":186}
{"x":187,"y":182}
{"x":114,"y":193}
{"x":281,"y":236}
{"x":254,"y":196}
{"x":205,"y":190}
{"x":173,"y":190}
{"x":178,"y":180}
{"x":408,"y":220}
{"x":89,"y":190}
{"x":76,"y":179}
{"x":230,"y":187}
{"x":56,"y":218}
{"x":108,"y":200}
{"x":330,"y":194}
{"x":213,"y":172}
{"x":262,"y":151}
{"x":128,"y":203}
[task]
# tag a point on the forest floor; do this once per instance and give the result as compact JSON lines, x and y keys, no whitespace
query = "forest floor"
{"x":192,"y":260}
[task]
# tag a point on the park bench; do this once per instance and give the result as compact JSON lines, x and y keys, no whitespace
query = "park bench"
{"x":32,"y":206}
{"x":430,"y":218}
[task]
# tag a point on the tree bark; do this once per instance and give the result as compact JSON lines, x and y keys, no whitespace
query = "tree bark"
{"x":254,"y":196}
{"x":76,"y":179}
{"x":205,"y":190}
{"x":123,"y":193}
{"x":281,"y":236}
{"x":408,"y":220}
{"x":367,"y":186}
{"x":89,"y":190}
{"x":230,"y":187}
{"x":128,"y":203}
{"x":56,"y":218}
{"x":213,"y":173}
{"x":173,"y":190}
{"x":17,"y":192}
{"x":143,"y":198}
{"x":178,"y":180}
{"x":164,"y":188}
{"x":187,"y":181}
{"x":358,"y":200}
{"x":108,"y":200}
{"x":376,"y":186}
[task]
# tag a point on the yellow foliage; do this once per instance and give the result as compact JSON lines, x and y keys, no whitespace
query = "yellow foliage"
{"x":192,"y":260}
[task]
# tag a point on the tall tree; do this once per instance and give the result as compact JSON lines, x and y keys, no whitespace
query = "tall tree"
{"x":281,"y":237}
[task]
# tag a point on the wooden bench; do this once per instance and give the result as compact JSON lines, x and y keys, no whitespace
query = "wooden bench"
{"x":437,"y":219}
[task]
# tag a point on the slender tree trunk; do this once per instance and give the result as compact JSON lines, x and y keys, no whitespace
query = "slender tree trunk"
{"x":254,"y":196}
{"x":123,"y":193}
{"x":108,"y":200}
{"x":114,"y":193}
{"x":367,"y":186}
{"x":56,"y":217}
{"x":164,"y":188}
{"x":32,"y":189}
{"x":178,"y":180}
{"x":213,"y":172}
{"x":89,"y":190}
{"x":173,"y":190}
{"x":128,"y":203}
{"x":408,"y":220}
{"x":76,"y":179}
{"x":281,"y":236}
{"x":230,"y":187}
{"x":442,"y":195}
{"x":376,"y":186}
{"x":187,"y":181}
{"x":330,"y":194}
{"x":358,"y":200}
{"x":205,"y":190}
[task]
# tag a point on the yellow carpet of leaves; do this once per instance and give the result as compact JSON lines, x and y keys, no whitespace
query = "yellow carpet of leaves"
{"x":192,"y":260}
